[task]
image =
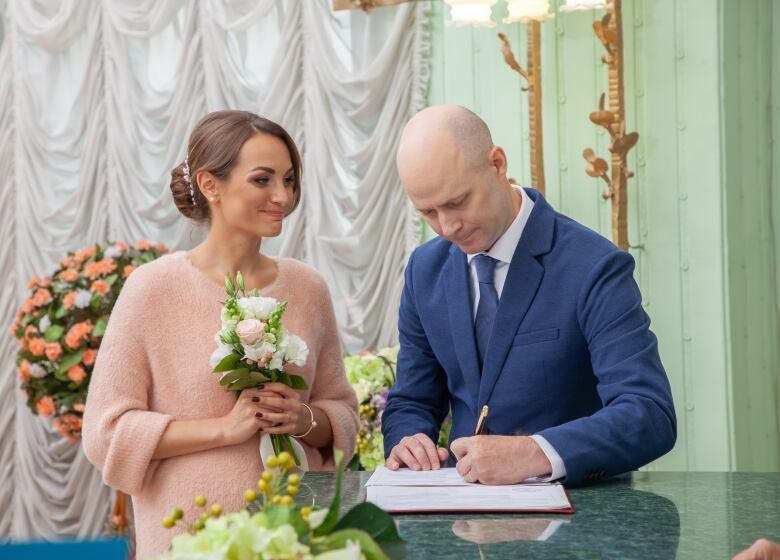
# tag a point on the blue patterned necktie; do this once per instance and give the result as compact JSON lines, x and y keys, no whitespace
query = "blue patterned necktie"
{"x":488,"y":303}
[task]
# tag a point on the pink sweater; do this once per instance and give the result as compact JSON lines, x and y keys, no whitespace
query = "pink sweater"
{"x":153,"y":367}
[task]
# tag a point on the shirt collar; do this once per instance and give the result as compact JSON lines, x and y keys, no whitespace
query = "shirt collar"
{"x":503,"y":249}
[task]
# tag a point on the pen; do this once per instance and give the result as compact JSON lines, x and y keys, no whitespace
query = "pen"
{"x":481,"y":420}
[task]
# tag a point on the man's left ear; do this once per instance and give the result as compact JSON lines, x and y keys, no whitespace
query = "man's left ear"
{"x":498,"y":160}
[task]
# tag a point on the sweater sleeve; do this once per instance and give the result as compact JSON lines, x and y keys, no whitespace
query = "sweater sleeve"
{"x":120,"y":434}
{"x":331,"y":391}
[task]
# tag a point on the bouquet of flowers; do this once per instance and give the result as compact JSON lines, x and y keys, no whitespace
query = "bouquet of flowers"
{"x":281,"y":529}
{"x":371,"y":376}
{"x":253,"y":346}
{"x":61,"y":324}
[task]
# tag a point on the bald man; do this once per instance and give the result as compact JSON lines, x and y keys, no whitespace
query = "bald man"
{"x":520,"y":315}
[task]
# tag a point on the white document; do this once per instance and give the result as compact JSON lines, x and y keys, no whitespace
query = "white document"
{"x":407,"y":477}
{"x":444,"y":490}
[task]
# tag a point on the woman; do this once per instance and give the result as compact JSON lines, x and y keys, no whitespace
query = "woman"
{"x":157,"y":423}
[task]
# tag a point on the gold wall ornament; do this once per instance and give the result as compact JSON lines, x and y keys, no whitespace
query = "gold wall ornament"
{"x":609,"y":30}
{"x":365,"y":5}
{"x":533,"y":77}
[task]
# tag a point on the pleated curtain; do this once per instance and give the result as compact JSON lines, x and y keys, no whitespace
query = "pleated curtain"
{"x":97,"y":99}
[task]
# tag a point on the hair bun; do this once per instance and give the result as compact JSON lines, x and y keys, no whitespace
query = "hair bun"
{"x":182,"y":197}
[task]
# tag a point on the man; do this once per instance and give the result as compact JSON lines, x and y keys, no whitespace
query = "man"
{"x":517,"y":311}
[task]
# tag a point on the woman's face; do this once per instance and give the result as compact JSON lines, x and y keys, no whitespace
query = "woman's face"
{"x":256,"y":196}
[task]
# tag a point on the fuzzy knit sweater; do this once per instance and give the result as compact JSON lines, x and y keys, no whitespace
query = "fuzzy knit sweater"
{"x":153,"y":368}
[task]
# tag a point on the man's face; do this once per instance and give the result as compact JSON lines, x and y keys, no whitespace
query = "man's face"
{"x":461,"y":203}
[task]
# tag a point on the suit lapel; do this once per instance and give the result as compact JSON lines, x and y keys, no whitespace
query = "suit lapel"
{"x":522,"y":282}
{"x":461,"y":321}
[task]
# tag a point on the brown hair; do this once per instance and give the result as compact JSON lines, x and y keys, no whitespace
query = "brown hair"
{"x":214,"y":145}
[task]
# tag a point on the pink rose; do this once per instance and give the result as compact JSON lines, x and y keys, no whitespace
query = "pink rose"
{"x":250,"y":331}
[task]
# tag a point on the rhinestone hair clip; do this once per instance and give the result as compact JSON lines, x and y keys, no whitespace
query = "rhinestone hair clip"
{"x":186,"y":173}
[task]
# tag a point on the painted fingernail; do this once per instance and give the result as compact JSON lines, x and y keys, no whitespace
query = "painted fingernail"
{"x":258,"y":414}
{"x":255,"y":399}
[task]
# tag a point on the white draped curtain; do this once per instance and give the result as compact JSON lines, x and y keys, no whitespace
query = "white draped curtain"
{"x":97,"y":99}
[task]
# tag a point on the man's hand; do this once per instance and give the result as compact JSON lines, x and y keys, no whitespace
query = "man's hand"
{"x":418,"y":453}
{"x":762,"y":549}
{"x":499,"y":459}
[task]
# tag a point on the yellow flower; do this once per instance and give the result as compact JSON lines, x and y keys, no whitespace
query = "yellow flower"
{"x":250,"y":495}
{"x":200,"y":501}
{"x":293,"y":479}
{"x":285,"y":460}
{"x":216,"y":510}
{"x":168,"y":522}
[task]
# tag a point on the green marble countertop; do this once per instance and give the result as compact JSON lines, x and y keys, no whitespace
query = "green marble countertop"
{"x":641,"y":515}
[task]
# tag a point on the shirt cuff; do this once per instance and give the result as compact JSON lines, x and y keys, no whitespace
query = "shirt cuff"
{"x":558,"y":468}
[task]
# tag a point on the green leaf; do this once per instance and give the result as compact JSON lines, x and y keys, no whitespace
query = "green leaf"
{"x":282,"y":377}
{"x":242,"y":384}
{"x":240,"y":280}
{"x":258,"y":377}
{"x":228,"y":363}
{"x":371,"y":519}
{"x":297,"y":382}
{"x":111,"y":280}
{"x":333,"y":511}
{"x":368,"y":547}
{"x":70,"y":360}
{"x":53,"y":333}
{"x":60,"y":313}
{"x":233,"y":376}
{"x":100,"y":327}
{"x":279,"y":515}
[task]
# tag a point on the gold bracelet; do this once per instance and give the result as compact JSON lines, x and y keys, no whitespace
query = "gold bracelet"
{"x":311,"y":426}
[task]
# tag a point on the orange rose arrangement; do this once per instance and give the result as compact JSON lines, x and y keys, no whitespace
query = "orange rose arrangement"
{"x":61,"y":324}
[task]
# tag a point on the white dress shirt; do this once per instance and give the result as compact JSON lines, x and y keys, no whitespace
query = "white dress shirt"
{"x":502,"y":250}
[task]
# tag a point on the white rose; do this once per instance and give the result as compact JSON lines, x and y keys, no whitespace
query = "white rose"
{"x":250,"y":331}
{"x":277,"y":361}
{"x":83,"y":297}
{"x":362,"y":390}
{"x":112,"y":252}
{"x":317,"y":517}
{"x":222,"y":352}
{"x":258,"y":352}
{"x":38,"y":371}
{"x":44,"y":324}
{"x":296,"y":350}
{"x":257,"y":307}
{"x":350,"y":552}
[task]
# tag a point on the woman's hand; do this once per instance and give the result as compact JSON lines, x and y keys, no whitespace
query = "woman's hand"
{"x":245,"y":419}
{"x":282,"y":410}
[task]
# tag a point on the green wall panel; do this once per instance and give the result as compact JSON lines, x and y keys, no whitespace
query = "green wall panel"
{"x":700,"y":206}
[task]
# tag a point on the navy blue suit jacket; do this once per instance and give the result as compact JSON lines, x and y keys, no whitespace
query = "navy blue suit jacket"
{"x":571,"y":356}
